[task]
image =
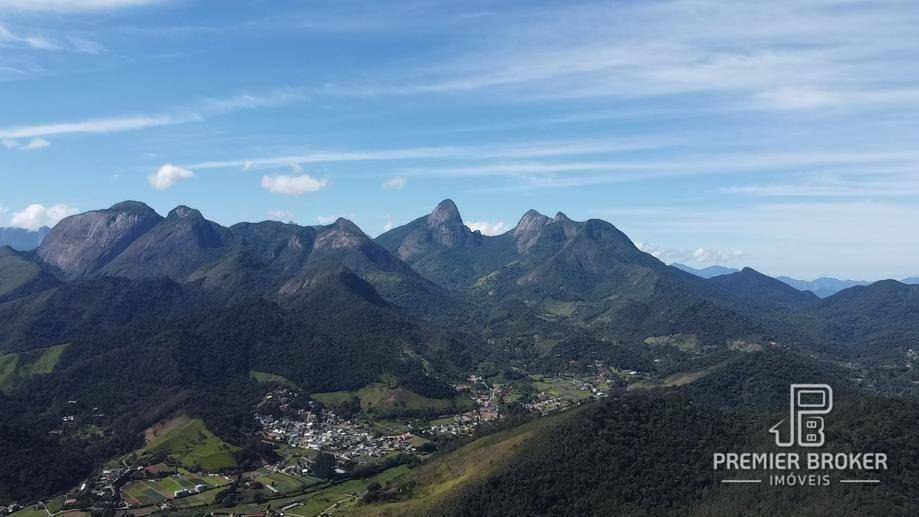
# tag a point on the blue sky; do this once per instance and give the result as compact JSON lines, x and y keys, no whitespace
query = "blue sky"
{"x":780,"y":135}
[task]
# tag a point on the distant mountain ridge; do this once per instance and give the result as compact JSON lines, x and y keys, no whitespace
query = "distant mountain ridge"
{"x":822,"y":287}
{"x":706,"y":272}
{"x":21,"y":239}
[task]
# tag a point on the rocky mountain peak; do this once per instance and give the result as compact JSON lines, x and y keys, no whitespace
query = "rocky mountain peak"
{"x":446,"y":225}
{"x":527,"y":230}
{"x":341,"y":234}
{"x":132,"y":206}
{"x":445,"y":212}
{"x":85,"y":242}
{"x":184,"y":212}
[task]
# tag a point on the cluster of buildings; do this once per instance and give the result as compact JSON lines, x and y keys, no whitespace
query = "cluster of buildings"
{"x":325,"y":431}
{"x":465,"y":423}
{"x":486,"y":398}
{"x":197,"y":489}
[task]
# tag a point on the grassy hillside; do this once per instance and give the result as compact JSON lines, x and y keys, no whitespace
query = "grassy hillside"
{"x":382,"y":399}
{"x":15,"y":367}
{"x":15,"y":271}
{"x":20,"y":276}
{"x":443,"y":480}
{"x":270,"y":378}
{"x":189,"y":443}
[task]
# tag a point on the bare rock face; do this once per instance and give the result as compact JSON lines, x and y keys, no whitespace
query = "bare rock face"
{"x":447,"y":226}
{"x":344,"y":243}
{"x":527,"y":231}
{"x":84,"y":243}
{"x":445,"y":213}
{"x":444,"y":228}
{"x":341,"y":234}
{"x":175,"y":248}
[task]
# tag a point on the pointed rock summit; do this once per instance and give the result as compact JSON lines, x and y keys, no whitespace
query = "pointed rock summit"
{"x":527,"y":230}
{"x":445,"y":212}
{"x":447,"y":226}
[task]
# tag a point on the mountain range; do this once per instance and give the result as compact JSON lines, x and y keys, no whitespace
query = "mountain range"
{"x":148,"y":315}
{"x":822,"y":287}
{"x":555,"y":276}
{"x":21,"y":239}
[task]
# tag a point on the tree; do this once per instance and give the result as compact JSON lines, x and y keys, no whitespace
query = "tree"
{"x":324,"y":465}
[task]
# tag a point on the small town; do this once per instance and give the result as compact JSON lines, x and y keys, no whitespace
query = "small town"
{"x":291,"y":423}
{"x":325,"y":431}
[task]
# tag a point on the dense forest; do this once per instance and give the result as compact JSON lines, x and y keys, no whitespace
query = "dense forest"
{"x":651,"y":453}
{"x":141,"y":352}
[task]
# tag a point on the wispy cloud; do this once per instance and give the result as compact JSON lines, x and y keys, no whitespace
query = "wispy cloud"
{"x":30,"y":145}
{"x":281,"y":215}
{"x":782,"y":55}
{"x":394,"y":183}
{"x":70,"y":6}
{"x":531,"y":149}
{"x":891,"y":181}
{"x":202,"y":111}
{"x":41,"y":41}
{"x":879,"y":169}
{"x":99,"y":125}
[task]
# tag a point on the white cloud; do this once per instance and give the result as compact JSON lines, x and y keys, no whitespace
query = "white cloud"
{"x":31,"y":145}
{"x":197,"y":113}
{"x":35,"y":216}
{"x":68,"y":6}
{"x":394,"y":183}
{"x":488,"y":228}
{"x":292,"y":185}
{"x":280,"y":215}
{"x":390,"y":224}
{"x":697,"y":256}
{"x":168,"y":175}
